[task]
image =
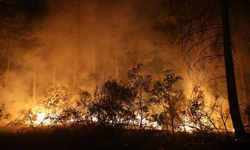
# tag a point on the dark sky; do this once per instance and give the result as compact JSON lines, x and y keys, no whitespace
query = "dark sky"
{"x":35,"y":8}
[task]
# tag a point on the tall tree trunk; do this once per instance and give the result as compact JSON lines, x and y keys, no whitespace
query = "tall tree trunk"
{"x":8,"y":61}
{"x":231,"y":86}
{"x":34,"y":84}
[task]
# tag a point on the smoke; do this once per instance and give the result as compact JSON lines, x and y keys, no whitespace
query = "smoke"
{"x":71,"y":42}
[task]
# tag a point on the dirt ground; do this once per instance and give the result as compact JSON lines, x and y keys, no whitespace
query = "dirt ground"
{"x":89,"y":138}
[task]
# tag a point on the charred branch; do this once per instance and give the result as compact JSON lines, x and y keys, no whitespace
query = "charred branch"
{"x":201,"y":42}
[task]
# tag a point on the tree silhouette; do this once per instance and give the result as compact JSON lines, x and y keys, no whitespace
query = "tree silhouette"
{"x":203,"y":31}
{"x":169,"y":100}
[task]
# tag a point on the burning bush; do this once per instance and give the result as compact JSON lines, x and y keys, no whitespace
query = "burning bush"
{"x":4,"y":115}
{"x":128,"y":106}
{"x":112,"y":105}
{"x":169,"y":100}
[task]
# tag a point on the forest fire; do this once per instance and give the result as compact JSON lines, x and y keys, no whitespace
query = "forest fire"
{"x":111,"y":74}
{"x":187,"y":125}
{"x":41,"y":118}
{"x":132,"y":105}
{"x":56,"y":111}
{"x":46,"y":120}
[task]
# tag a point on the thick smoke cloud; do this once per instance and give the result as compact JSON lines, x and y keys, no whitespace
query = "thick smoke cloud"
{"x":72,"y":42}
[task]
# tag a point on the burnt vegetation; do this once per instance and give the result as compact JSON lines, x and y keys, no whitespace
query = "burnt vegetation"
{"x":138,"y":115}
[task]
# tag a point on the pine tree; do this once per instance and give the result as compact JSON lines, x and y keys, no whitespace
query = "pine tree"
{"x":203,"y":30}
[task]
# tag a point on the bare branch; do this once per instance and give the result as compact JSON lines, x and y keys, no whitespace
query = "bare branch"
{"x":200,"y":16}
{"x":202,"y":42}
{"x":188,"y":34}
{"x":204,"y":26}
{"x":216,"y":78}
{"x":210,"y":46}
{"x":205,"y":57}
{"x":241,"y":30}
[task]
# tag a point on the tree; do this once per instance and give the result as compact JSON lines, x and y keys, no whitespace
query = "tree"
{"x":203,"y":29}
{"x":17,"y":34}
{"x":169,"y":100}
{"x":140,"y":84}
{"x":112,"y":105}
{"x":231,"y":85}
{"x":11,"y":32}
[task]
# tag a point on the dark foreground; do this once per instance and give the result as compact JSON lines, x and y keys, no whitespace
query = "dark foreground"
{"x":86,"y":138}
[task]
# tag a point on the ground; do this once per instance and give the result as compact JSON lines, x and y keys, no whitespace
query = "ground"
{"x":27,"y":138}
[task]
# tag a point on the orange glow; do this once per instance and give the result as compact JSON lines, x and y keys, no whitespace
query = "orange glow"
{"x":43,"y":119}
